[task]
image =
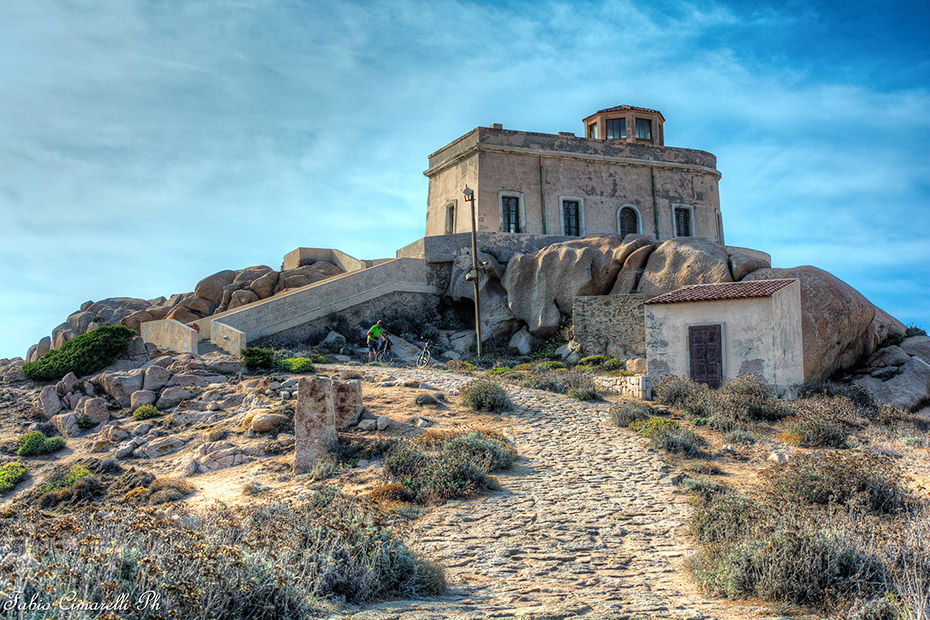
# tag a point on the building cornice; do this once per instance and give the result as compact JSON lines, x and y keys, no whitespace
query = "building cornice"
{"x":536,"y":152}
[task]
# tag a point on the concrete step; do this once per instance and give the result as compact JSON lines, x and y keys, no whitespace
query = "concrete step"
{"x":205,"y":346}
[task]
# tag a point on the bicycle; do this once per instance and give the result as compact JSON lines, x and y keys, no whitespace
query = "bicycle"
{"x":385,"y":351}
{"x":424,"y":357}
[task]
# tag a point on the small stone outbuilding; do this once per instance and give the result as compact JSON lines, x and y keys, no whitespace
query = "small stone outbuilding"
{"x":714,"y":332}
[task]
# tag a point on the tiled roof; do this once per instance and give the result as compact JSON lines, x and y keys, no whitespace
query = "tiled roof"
{"x":619,"y":108}
{"x":726,"y":290}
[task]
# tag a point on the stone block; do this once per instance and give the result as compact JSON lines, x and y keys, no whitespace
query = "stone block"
{"x":314,"y":423}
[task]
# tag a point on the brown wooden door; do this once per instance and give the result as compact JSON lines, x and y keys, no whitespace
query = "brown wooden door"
{"x":706,"y":354}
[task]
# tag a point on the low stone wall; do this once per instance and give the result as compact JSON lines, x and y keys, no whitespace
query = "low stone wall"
{"x":171,"y":335}
{"x":610,"y":324}
{"x":227,"y":338}
{"x":636,"y":387}
{"x":305,"y":256}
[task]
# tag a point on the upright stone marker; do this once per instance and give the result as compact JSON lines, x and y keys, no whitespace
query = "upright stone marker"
{"x":314,"y":423}
{"x":348,"y":402}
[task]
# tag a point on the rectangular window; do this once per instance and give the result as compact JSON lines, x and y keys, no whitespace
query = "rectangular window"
{"x":592,"y":131}
{"x":510,"y":212}
{"x":450,"y":218}
{"x":616,"y":128}
{"x":683,"y":222}
{"x":643,"y":129}
{"x":571,"y":218}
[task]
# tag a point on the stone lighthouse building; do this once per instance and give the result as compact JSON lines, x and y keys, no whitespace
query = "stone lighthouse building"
{"x":618,"y":178}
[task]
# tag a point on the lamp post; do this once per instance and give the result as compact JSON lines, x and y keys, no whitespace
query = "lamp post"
{"x":473,"y":274}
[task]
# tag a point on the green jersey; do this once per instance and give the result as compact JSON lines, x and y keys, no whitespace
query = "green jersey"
{"x":375,"y":332}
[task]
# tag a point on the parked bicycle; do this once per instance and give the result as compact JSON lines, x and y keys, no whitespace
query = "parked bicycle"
{"x":423,"y":358}
{"x":385,"y":350}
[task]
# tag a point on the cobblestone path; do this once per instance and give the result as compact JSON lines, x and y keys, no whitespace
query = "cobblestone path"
{"x":588,"y":525}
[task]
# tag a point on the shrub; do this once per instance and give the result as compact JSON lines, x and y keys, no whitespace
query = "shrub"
{"x":859,"y":395}
{"x":739,"y":435}
{"x":703,"y":487}
{"x":392,"y":492}
{"x":454,"y":465}
{"x":726,"y":517}
{"x":256,"y":357}
{"x":703,"y":468}
{"x":82,"y":355}
{"x":35,"y":442}
{"x":811,"y":433}
{"x":838,"y":477}
{"x":145,"y":412}
{"x":594,"y":360}
{"x":548,"y":349}
{"x":747,"y":397}
{"x":583,"y":393}
{"x":64,"y":479}
{"x":912,"y":330}
{"x":624,"y":414}
{"x":460,"y":365}
{"x":500,"y":370}
{"x":10,"y":474}
{"x":688,"y":396}
{"x":271,"y":560}
{"x":158,"y":491}
{"x":669,"y":436}
{"x":485,"y":395}
{"x":295,"y":365}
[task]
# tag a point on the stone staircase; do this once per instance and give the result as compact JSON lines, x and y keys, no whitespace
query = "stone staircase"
{"x":233,"y":330}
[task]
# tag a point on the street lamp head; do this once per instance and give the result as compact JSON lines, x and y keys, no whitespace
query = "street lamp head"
{"x":469,"y":193}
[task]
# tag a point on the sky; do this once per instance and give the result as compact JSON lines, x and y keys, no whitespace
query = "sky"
{"x":146,"y":144}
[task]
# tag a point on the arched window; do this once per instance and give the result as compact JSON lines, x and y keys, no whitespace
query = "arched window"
{"x":628,"y":222}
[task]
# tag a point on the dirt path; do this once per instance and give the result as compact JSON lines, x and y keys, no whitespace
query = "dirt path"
{"x":588,"y":524}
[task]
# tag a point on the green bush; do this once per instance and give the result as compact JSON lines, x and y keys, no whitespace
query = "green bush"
{"x":583,"y":393}
{"x":443,"y":466}
{"x":461,"y":365}
{"x":35,"y":442}
{"x":669,"y":436}
{"x":549,"y":348}
{"x":547,"y":365}
{"x":500,"y":370}
{"x":82,"y":355}
{"x":145,"y":412}
{"x":594,"y":360}
{"x":703,"y":487}
{"x":625,"y":414}
{"x":295,"y":365}
{"x":10,"y":474}
{"x":703,"y":468}
{"x":485,"y":395}
{"x":64,"y":479}
{"x":256,"y":357}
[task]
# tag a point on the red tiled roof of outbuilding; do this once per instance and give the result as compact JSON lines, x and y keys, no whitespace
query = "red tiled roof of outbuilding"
{"x":723,"y":291}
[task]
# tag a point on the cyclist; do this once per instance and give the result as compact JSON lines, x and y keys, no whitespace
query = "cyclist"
{"x":375,"y":336}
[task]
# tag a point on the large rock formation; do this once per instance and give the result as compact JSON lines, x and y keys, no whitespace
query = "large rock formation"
{"x":496,"y":317}
{"x":834,"y":318}
{"x":541,"y":285}
{"x":680,"y":262}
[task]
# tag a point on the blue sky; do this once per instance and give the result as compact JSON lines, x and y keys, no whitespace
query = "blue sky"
{"x":144,"y":145}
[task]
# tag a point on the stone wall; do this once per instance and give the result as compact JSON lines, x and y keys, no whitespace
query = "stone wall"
{"x":171,"y":335}
{"x":610,"y":324}
{"x":635,"y":387}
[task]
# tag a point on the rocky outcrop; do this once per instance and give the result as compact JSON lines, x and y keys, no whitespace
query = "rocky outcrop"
{"x":211,"y":287}
{"x":496,"y":316}
{"x":917,"y":346}
{"x":541,"y":285}
{"x":682,"y":262}
{"x":632,"y":270}
{"x":742,"y":265}
{"x":907,"y":387}
{"x":834,"y":319}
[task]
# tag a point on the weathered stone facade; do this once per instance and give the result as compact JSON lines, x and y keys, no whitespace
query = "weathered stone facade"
{"x":613,"y":185}
{"x":611,"y":324}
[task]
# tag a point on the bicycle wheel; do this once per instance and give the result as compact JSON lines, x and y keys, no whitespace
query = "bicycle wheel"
{"x":423,"y":359}
{"x":386,"y":356}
